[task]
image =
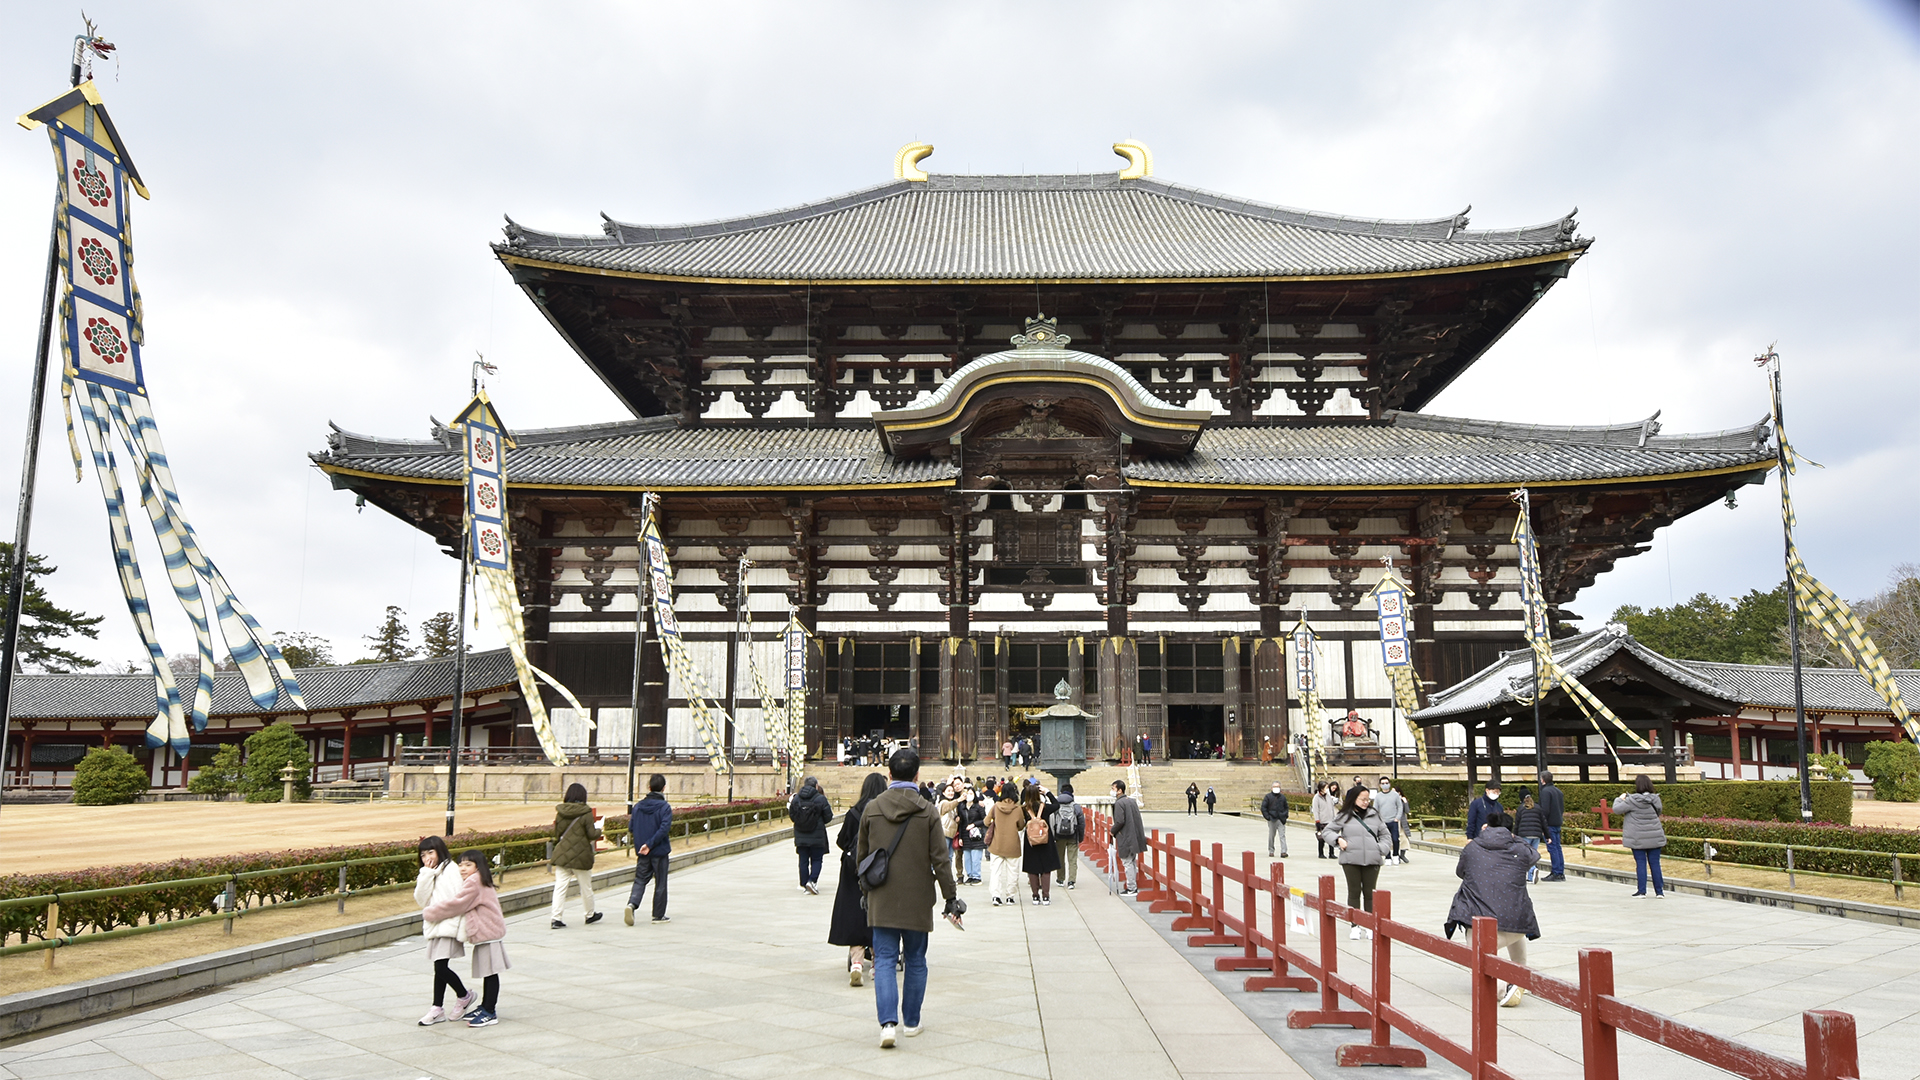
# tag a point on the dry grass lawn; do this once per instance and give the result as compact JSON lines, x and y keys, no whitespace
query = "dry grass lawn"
{"x":77,"y":963}
{"x":1886,"y":815}
{"x":36,"y":838}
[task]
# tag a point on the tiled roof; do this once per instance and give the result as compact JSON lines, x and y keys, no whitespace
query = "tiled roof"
{"x":997,"y":228}
{"x":1767,"y":686}
{"x":325,"y":689}
{"x":1412,"y":449}
{"x":1404,"y":449}
{"x":1761,"y":686}
{"x":1510,"y":678}
{"x":656,"y":453}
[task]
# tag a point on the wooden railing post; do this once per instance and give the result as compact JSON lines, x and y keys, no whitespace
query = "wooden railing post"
{"x":1279,"y":979}
{"x":341,"y":907}
{"x":1249,"y":958}
{"x":1832,"y":1053}
{"x":1599,"y":1048}
{"x":226,"y":903}
{"x":1379,"y":1048}
{"x":1486,"y":996}
{"x":1195,"y":906}
{"x":1329,"y":1013}
{"x":53,"y":932}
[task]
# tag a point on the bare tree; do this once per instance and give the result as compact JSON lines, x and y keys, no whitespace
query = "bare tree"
{"x":1891,"y":617}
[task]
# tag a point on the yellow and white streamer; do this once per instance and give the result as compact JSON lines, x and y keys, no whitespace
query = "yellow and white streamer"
{"x":708,"y":714}
{"x":1547,"y":670}
{"x":1819,"y":604}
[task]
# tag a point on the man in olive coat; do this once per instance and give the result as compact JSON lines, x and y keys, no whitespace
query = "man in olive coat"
{"x":900,"y":911}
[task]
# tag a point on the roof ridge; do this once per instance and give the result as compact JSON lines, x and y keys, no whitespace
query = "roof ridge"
{"x":617,"y":233}
{"x":1450,"y":228}
{"x":1644,"y":434}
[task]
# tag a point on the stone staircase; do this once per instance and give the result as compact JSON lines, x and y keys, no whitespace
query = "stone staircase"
{"x":1237,"y":786}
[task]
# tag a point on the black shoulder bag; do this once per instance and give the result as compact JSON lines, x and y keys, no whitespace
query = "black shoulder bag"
{"x":873,"y":869}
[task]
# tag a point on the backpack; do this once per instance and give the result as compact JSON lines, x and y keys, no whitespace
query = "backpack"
{"x":1067,"y":824}
{"x":1036,"y":831}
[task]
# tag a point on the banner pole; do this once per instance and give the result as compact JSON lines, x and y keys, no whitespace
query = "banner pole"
{"x":1772,"y":360}
{"x":29,"y":471}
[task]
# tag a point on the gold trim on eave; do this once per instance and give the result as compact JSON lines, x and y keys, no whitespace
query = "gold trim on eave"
{"x":960,"y":406}
{"x":818,"y":282}
{"x":435,"y":481}
{"x":1506,"y":485}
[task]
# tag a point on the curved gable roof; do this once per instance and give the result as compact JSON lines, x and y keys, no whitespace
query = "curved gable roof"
{"x":1029,"y":368}
{"x":1059,"y":228}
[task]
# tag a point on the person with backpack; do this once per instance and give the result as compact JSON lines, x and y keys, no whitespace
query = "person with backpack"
{"x":572,"y":857}
{"x":1069,"y":828}
{"x":1039,"y":859}
{"x":1210,"y":800}
{"x":649,"y":826}
{"x":1274,"y":808}
{"x":810,"y":812}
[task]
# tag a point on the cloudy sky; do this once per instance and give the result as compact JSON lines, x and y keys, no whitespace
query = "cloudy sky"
{"x":326,"y":179}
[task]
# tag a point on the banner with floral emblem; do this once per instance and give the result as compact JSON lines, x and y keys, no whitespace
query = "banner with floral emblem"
{"x":103,"y":373}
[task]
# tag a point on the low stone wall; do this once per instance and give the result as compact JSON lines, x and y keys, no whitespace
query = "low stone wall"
{"x":605,"y":784}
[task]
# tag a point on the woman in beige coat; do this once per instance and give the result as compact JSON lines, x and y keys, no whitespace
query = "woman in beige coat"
{"x":1003,"y":844}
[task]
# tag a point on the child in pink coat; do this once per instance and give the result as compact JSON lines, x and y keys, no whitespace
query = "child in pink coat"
{"x":482,"y":926}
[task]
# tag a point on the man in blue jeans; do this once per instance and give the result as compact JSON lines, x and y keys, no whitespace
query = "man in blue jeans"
{"x":1553,"y":810}
{"x":648,"y":823}
{"x":900,"y":909}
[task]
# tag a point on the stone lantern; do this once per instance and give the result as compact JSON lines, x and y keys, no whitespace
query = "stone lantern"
{"x":1063,"y":737}
{"x":286,"y":781}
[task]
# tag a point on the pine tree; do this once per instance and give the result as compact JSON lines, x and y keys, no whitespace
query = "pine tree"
{"x":439,"y":636}
{"x":390,"y":639}
{"x":42,"y":623}
{"x":304,"y":650}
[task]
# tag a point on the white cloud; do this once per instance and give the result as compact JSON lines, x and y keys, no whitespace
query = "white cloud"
{"x":326,"y":180}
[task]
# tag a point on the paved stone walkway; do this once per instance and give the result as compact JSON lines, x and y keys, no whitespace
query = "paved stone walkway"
{"x":740,"y":984}
{"x":1738,"y":970}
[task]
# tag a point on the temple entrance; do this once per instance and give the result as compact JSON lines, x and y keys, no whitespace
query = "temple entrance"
{"x":1194,"y":730}
{"x":890,"y":721}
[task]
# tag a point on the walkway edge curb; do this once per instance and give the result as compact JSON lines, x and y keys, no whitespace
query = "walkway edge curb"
{"x":38,"y":1011}
{"x":1856,"y":910}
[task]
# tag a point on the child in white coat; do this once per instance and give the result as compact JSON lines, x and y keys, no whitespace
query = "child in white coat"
{"x":439,"y":880}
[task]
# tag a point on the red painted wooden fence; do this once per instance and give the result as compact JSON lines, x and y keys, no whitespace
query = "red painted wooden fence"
{"x":1214,"y":918}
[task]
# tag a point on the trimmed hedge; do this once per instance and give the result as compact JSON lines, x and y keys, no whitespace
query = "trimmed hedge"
{"x":522,"y":847}
{"x":1682,"y":844}
{"x":1744,"y":800}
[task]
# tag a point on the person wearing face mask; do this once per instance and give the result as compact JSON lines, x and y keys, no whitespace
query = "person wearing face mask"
{"x":1273,"y":807}
{"x":1392,"y":808}
{"x":1478,"y":809}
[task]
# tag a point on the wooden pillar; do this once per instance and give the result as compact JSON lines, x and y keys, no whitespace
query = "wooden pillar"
{"x":959,"y":689}
{"x":1733,"y":724}
{"x":1118,"y":594}
{"x":1669,"y":750}
{"x":959,"y":566}
{"x":914,"y":728}
{"x":842,"y":720}
{"x":1270,"y":695}
{"x":1496,"y":756}
{"x":1119,"y":661}
{"x":1236,"y":708}
{"x":1473,"y":761}
{"x":346,"y":753}
{"x":23,"y":773}
{"x":1002,"y":718}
